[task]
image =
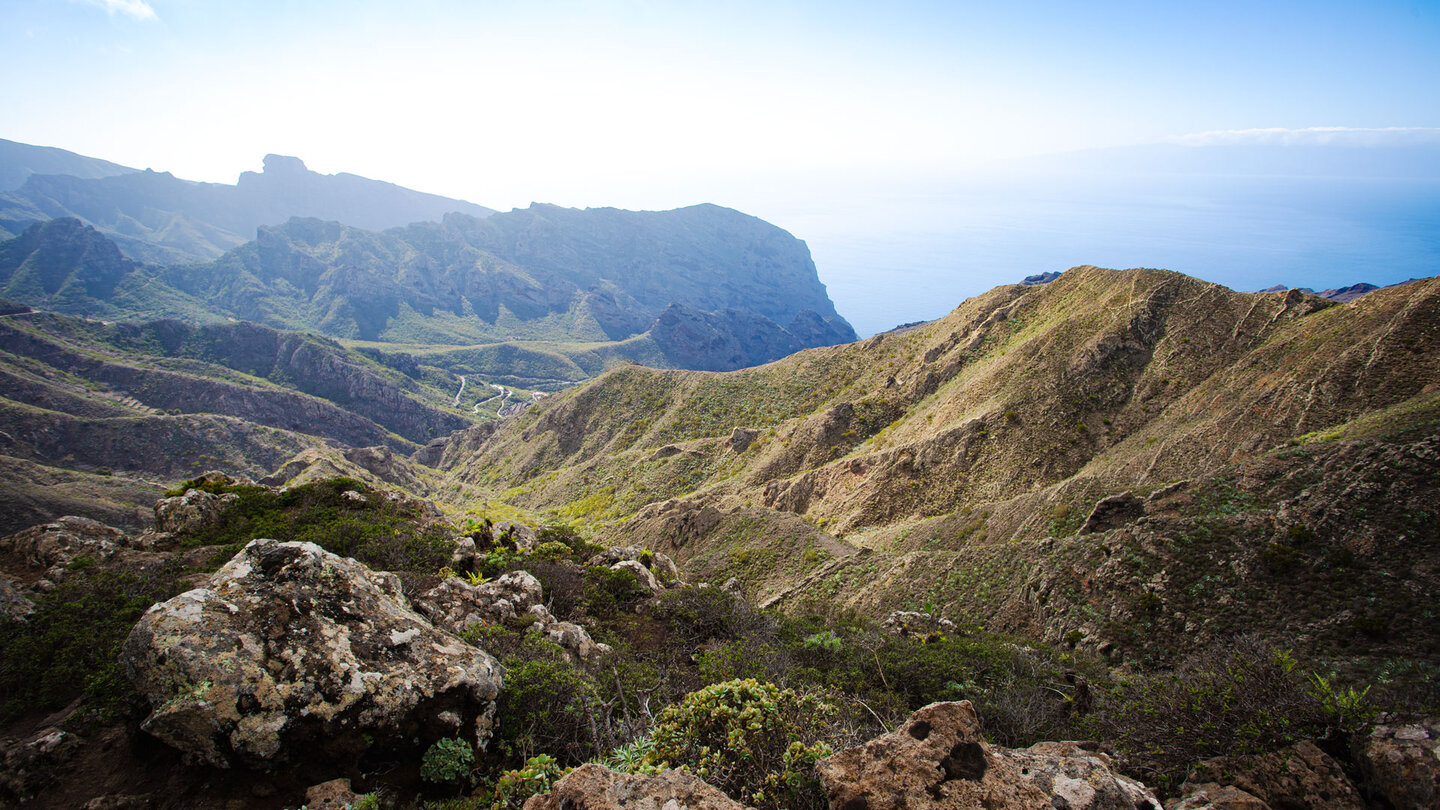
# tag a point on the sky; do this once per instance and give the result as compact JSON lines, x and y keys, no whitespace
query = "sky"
{"x":807,"y":114}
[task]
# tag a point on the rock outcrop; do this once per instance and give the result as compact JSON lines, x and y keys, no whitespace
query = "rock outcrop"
{"x":455,"y":605}
{"x":595,"y":787}
{"x":938,"y":759}
{"x":1401,"y":764}
{"x":52,"y":548}
{"x":294,"y":654}
{"x":1299,"y":776}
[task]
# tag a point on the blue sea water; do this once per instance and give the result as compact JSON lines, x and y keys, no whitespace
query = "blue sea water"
{"x":900,"y":255}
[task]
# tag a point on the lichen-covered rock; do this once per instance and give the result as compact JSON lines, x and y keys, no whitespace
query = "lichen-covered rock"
{"x":294,"y":654}
{"x":1300,"y":776}
{"x":665,"y":572}
{"x":912,"y":623}
{"x":938,"y":759}
{"x":1401,"y":764}
{"x":1210,"y":796}
{"x":192,"y":511}
{"x":1077,"y":777}
{"x":595,"y":787}
{"x":13,"y":603}
{"x":643,"y":574}
{"x":52,"y":547}
{"x":27,"y":766}
{"x":454,"y":605}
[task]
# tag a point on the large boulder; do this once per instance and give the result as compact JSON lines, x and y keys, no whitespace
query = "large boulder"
{"x":1300,"y":777}
{"x":1401,"y":764}
{"x":595,"y":787}
{"x":51,"y":549}
{"x":293,"y":655}
{"x":1078,"y":777}
{"x":191,"y":512}
{"x":938,"y":759}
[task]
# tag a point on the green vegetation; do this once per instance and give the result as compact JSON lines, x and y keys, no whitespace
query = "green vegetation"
{"x":755,"y":741}
{"x":338,"y":514}
{"x":68,"y":647}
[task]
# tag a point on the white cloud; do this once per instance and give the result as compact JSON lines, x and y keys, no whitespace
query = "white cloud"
{"x":1314,"y":136}
{"x":139,"y":9}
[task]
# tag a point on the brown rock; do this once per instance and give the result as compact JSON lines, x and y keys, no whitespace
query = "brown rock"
{"x":1297,"y":778}
{"x":1112,"y":512}
{"x":1210,"y":796}
{"x":333,"y":795}
{"x":939,"y":760}
{"x":1401,"y":763}
{"x":595,"y":787}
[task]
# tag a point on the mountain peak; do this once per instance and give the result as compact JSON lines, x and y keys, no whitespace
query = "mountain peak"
{"x":284,"y":165}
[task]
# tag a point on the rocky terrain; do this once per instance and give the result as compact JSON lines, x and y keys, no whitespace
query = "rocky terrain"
{"x":99,"y":418}
{"x":394,"y":657}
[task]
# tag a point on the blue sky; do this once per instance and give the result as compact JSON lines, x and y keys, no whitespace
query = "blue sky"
{"x":775,"y":108}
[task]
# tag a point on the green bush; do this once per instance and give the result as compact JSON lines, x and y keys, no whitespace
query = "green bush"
{"x":383,"y":534}
{"x":755,"y":741}
{"x":514,"y":787}
{"x":447,"y":762}
{"x":68,"y":646}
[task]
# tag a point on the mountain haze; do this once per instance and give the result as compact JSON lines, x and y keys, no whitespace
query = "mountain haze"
{"x":157,"y":217}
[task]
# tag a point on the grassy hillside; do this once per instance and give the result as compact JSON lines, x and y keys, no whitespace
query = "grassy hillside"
{"x":954,"y":463}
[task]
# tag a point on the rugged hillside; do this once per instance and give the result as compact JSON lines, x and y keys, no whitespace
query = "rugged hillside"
{"x":128,"y":408}
{"x":157,"y":217}
{"x":20,"y":160}
{"x":433,"y":286}
{"x":961,"y":457}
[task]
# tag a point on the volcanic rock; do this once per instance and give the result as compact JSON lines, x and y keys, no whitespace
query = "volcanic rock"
{"x":294,"y":654}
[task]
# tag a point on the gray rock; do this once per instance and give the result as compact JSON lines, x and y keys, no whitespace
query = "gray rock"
{"x":28,"y":766}
{"x":912,"y":623}
{"x":595,"y":787}
{"x":296,"y":655}
{"x":1401,"y":763}
{"x":192,"y":511}
{"x":1210,"y":796}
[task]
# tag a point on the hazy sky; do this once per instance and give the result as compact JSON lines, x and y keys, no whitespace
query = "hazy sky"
{"x":652,"y":104}
{"x":660,"y":104}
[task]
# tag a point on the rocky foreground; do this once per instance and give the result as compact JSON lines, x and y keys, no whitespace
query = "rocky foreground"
{"x":290,"y":667}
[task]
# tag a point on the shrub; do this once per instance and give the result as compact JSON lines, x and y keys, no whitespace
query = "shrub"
{"x":1233,"y":699}
{"x":514,"y":787}
{"x":447,"y":762}
{"x":68,"y":646}
{"x":753,"y":740}
{"x":545,"y":705}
